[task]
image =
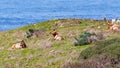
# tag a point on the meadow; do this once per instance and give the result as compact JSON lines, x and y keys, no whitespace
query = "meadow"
{"x":43,"y":52}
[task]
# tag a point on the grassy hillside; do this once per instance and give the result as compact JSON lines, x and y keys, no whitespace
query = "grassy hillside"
{"x":104,"y":54}
{"x":36,"y":55}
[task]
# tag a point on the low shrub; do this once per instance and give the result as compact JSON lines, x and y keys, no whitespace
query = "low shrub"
{"x":104,"y":54}
{"x":34,"y":32}
{"x":83,"y":39}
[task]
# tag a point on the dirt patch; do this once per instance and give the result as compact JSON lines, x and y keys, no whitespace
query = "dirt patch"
{"x":66,"y":23}
{"x":45,"y":44}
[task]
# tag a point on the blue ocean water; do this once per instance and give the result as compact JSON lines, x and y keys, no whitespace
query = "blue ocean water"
{"x":17,"y":13}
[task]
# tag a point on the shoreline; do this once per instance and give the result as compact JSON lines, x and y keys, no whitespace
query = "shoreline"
{"x":104,"y":19}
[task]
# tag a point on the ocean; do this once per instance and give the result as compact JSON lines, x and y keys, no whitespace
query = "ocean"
{"x":17,"y":13}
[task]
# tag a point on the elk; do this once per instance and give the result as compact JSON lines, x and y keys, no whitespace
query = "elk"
{"x":56,"y":35}
{"x":113,"y":27}
{"x":19,"y":45}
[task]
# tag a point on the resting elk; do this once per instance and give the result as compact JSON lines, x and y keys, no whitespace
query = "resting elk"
{"x":56,"y":35}
{"x":19,"y":45}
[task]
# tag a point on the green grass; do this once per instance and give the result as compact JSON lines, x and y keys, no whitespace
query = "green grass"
{"x":109,"y":47}
{"x":105,"y":52}
{"x":52,"y":57}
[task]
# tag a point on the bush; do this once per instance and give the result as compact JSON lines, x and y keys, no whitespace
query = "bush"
{"x":34,"y":32}
{"x":104,"y":54}
{"x":109,"y":47}
{"x":83,"y":39}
